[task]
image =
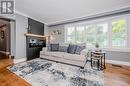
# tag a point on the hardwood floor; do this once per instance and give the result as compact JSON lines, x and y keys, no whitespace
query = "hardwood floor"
{"x":117,"y":75}
{"x":8,"y":78}
{"x":114,"y":75}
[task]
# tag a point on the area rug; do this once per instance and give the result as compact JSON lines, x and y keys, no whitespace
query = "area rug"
{"x":40,"y":72}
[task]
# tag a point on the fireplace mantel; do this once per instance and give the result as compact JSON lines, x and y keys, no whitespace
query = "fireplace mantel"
{"x":34,"y":35}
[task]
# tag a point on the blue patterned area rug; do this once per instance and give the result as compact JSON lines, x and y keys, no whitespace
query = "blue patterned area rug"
{"x":40,"y":72}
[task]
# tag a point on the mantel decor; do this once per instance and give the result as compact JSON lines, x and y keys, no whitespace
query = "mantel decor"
{"x":56,"y":32}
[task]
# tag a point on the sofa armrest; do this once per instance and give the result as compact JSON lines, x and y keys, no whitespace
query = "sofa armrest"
{"x":84,"y":52}
{"x":44,"y":49}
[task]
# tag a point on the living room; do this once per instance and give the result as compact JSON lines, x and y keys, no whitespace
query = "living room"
{"x":65,"y":43}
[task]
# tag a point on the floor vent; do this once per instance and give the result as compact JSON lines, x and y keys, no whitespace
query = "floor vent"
{"x":116,"y":65}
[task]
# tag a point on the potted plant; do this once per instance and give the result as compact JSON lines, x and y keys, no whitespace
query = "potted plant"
{"x":97,"y":46}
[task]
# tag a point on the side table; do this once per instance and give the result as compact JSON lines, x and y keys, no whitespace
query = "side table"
{"x":100,"y":56}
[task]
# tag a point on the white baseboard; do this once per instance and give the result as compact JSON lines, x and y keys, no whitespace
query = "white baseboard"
{"x":4,"y":52}
{"x":19,"y":60}
{"x":118,"y":62}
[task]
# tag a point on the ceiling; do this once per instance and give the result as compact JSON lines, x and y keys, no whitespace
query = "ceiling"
{"x":52,"y":11}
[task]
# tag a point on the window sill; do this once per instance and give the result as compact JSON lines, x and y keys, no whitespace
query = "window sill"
{"x":117,"y":49}
{"x":113,"y":49}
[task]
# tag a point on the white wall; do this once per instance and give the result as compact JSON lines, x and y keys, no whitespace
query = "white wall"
{"x":21,"y":29}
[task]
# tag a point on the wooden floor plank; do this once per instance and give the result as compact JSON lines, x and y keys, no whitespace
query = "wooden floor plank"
{"x":8,"y":78}
{"x":117,"y":76}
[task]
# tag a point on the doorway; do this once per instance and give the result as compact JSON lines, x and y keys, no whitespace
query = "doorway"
{"x":5,"y":35}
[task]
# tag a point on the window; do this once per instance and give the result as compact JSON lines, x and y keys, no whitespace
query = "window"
{"x":99,"y":32}
{"x":71,"y":34}
{"x":80,"y":34}
{"x":119,"y":33}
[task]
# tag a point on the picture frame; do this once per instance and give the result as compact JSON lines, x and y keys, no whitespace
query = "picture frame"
{"x":2,"y":34}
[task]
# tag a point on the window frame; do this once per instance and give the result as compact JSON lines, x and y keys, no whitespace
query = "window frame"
{"x":76,"y":36}
{"x":66,"y":30}
{"x":109,"y":35}
{"x":126,"y":31}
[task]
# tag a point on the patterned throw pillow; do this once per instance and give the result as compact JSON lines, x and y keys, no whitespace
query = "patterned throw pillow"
{"x":79,"y":49}
{"x":72,"y":49}
{"x":54,"y":47}
{"x":63,"y":48}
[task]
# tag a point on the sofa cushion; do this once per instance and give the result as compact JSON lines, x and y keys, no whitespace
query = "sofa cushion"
{"x":63,"y":48}
{"x":54,"y":47}
{"x":57,"y":54}
{"x":74,"y":57}
{"x":71,"y":49}
{"x":79,"y":49}
{"x":46,"y":53}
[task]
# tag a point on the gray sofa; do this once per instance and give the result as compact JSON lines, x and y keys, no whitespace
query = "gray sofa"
{"x":64,"y":57}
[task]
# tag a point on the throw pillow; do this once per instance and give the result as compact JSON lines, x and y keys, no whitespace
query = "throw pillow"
{"x":71,"y":49}
{"x":63,"y":48}
{"x":54,"y":47}
{"x":79,"y":49}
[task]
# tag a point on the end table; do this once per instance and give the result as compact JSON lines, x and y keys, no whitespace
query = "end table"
{"x":99,"y":56}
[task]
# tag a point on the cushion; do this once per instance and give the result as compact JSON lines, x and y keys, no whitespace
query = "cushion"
{"x":79,"y":49}
{"x":74,"y":57}
{"x":63,"y":48}
{"x":57,"y":54}
{"x":54,"y":47}
{"x":47,"y":53}
{"x":71,"y":49}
